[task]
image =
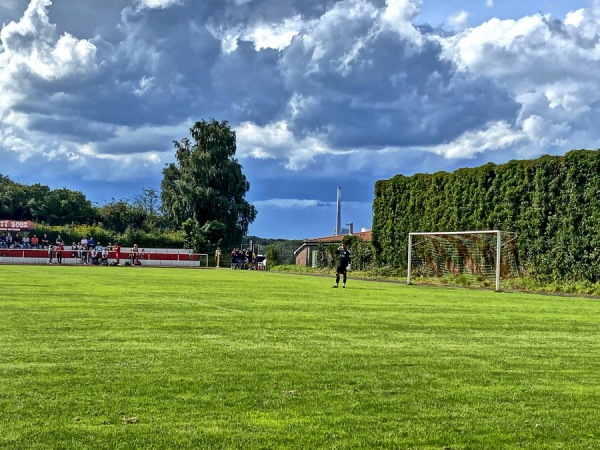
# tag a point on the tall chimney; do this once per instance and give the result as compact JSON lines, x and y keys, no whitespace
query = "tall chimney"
{"x":338,"y":222}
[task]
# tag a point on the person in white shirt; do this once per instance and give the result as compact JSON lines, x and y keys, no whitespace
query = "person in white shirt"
{"x":104,"y":259}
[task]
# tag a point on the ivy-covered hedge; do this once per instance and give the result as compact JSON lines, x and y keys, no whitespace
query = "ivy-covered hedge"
{"x":553,"y":203}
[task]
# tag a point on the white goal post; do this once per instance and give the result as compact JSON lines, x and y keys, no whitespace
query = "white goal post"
{"x":485,"y":256}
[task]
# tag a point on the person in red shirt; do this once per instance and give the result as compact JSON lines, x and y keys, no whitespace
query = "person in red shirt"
{"x":35,"y":242}
{"x":59,"y":250}
{"x":117,"y":252}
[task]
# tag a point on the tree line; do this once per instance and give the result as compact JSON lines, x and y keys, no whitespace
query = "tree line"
{"x":552,"y":202}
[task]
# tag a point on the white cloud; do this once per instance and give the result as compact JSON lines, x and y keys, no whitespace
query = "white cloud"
{"x":495,"y":136}
{"x":548,"y":66}
{"x":145,"y":85}
{"x":398,"y":15}
{"x":276,"y":141}
{"x":157,"y":4}
{"x":33,"y":53}
{"x":459,"y":21}
{"x":274,"y":35}
{"x":31,"y":47}
{"x":286,"y":203}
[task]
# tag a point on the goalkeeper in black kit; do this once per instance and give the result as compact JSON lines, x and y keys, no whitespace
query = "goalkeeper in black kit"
{"x":342,"y":268}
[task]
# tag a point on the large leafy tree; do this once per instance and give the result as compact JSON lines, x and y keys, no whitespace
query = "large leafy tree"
{"x":120,"y":215}
{"x":206,"y":183}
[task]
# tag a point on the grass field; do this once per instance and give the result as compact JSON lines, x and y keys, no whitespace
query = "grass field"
{"x":141,"y":358}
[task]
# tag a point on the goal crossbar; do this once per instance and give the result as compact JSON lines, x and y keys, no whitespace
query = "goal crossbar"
{"x":499,"y":246}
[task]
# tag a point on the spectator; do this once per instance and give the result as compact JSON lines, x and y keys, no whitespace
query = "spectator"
{"x":95,"y":256}
{"x":9,"y":241}
{"x":91,"y":243}
{"x":84,"y":242}
{"x":35,"y":242}
{"x":17,"y":241}
{"x":84,"y":254}
{"x":234,"y":258}
{"x":74,"y":246}
{"x":3,"y":240}
{"x":105,"y":256}
{"x":45,"y":241}
{"x":26,"y":242}
{"x":117,"y":253}
{"x":59,"y":250}
{"x":250,"y":257}
{"x":134,"y":254}
{"x":240,"y":258}
{"x":59,"y":241}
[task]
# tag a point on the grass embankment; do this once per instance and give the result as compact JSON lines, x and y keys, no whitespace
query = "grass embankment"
{"x":130,"y":358}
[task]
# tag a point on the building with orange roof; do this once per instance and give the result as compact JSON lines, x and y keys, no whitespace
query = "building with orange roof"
{"x":306,"y":254}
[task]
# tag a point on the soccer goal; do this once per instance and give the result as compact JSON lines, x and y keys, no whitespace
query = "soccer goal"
{"x":470,"y":257}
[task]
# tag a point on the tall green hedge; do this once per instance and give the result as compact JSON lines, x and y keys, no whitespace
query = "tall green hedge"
{"x":553,"y":203}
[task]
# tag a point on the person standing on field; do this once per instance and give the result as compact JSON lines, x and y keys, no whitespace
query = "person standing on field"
{"x":342,"y":268}
{"x":59,"y":250}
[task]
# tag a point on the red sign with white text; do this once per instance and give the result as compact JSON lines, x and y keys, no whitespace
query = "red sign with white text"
{"x":16,"y":225}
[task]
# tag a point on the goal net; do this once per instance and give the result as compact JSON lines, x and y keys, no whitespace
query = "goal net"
{"x":480,"y":258}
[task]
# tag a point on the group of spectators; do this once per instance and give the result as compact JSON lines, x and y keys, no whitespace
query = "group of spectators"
{"x":243,"y":259}
{"x":7,"y":240}
{"x":88,"y":251}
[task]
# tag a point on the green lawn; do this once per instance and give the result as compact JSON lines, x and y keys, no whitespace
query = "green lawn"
{"x":143,"y":358}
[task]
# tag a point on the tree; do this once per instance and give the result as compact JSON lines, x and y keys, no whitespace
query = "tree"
{"x":206,"y":182}
{"x":118,"y":216}
{"x":149,"y":202}
{"x":41,"y":204}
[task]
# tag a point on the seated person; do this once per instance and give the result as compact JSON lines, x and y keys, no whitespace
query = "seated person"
{"x":76,"y":253}
{"x":104,"y":257}
{"x":95,"y":257}
{"x":35,"y":242}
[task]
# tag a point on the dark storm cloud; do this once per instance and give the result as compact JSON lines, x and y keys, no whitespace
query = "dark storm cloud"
{"x":68,"y":129}
{"x":255,"y":93}
{"x":394,"y":94}
{"x":187,"y":75}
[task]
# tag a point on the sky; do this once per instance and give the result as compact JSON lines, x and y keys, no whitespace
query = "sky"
{"x":321,"y":93}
